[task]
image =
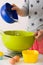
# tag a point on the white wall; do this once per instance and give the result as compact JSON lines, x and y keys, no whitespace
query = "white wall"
{"x":22,"y":22}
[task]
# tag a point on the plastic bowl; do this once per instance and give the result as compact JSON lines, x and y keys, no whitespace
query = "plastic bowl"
{"x":30,"y":56}
{"x":10,"y":16}
{"x":1,"y":55}
{"x":17,"y":40}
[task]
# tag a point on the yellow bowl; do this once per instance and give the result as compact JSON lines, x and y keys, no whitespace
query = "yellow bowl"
{"x":30,"y":56}
{"x":1,"y":53}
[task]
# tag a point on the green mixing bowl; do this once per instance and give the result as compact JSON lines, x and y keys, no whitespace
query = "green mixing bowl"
{"x":18,"y":40}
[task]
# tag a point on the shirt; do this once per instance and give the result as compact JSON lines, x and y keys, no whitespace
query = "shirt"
{"x":34,"y":10}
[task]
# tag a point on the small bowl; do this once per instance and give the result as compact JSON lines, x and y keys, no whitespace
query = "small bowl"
{"x":30,"y":56}
{"x":10,"y":16}
{"x":1,"y":55}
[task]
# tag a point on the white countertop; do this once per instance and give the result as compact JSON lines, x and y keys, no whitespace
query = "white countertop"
{"x":5,"y":60}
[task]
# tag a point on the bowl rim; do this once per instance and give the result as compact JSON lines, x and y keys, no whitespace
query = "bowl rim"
{"x":34,"y":52}
{"x":32,"y":35}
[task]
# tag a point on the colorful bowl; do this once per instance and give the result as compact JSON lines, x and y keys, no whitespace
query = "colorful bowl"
{"x":30,"y":56}
{"x":10,"y":16}
{"x":1,"y":55}
{"x":17,"y":40}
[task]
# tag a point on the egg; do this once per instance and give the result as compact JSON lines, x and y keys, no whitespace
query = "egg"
{"x":17,"y":58}
{"x":12,"y":61}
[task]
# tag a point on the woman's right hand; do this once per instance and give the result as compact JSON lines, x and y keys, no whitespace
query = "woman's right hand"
{"x":14,"y":7}
{"x":19,"y":11}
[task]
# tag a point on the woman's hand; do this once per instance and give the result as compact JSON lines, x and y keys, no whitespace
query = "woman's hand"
{"x":39,"y":35}
{"x":19,"y":11}
{"x":14,"y":7}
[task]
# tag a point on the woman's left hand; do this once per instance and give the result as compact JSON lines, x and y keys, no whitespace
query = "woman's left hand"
{"x":39,"y":35}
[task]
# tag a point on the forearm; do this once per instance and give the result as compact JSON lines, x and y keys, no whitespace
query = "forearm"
{"x":22,"y":12}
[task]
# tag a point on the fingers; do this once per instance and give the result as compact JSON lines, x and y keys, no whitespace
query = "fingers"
{"x":39,"y":36}
{"x":36,"y":33}
{"x":13,"y":5}
{"x":14,"y":8}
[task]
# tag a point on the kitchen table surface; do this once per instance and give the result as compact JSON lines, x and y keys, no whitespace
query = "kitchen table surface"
{"x":5,"y":60}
